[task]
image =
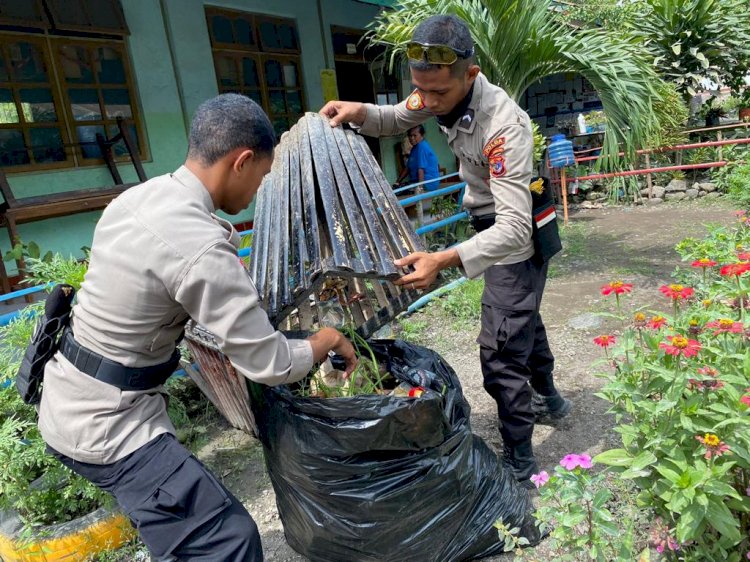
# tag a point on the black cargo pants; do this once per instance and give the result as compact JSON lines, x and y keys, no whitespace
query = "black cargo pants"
{"x":178,"y":507}
{"x":514,"y":350}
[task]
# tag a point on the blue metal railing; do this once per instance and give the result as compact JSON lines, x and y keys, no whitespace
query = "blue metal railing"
{"x":245,"y":252}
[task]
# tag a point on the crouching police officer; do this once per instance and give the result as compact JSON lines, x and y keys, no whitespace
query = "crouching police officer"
{"x":491,"y":136}
{"x":161,"y":256}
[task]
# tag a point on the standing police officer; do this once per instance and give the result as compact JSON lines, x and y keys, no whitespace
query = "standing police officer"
{"x":492,"y":138}
{"x":161,"y":256}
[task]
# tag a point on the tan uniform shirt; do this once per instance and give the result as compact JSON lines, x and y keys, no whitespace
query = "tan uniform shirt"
{"x":494,"y":145}
{"x":160,"y":256}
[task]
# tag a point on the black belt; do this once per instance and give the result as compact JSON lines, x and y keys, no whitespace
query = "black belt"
{"x":482,"y":222}
{"x":111,"y":372}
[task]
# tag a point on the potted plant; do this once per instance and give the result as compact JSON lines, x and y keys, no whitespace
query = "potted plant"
{"x":596,"y":121}
{"x":712,"y":111}
{"x":744,"y":105}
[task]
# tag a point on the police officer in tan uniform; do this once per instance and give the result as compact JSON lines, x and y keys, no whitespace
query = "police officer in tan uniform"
{"x":161,"y":256}
{"x":492,"y":138}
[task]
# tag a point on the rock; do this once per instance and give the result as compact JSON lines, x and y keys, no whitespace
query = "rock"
{"x":696,"y":185}
{"x":708,"y":187}
{"x":692,"y":193}
{"x":713,"y":195}
{"x":595,"y":196}
{"x":702,"y":194}
{"x":677,"y":185}
{"x":590,"y":205}
{"x":586,"y":321}
{"x":655,"y":201}
{"x":675,"y":196}
{"x":656,"y":191}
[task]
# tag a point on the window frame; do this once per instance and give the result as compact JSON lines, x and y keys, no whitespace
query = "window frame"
{"x":72,"y":123}
{"x":69,"y":162}
{"x":50,"y":42}
{"x":260,"y":53}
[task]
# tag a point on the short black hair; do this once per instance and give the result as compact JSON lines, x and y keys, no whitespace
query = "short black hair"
{"x":419,"y":128}
{"x":448,"y":30}
{"x":225,"y":123}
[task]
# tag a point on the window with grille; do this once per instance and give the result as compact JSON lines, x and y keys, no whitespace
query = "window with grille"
{"x":259,"y":56}
{"x":64,"y":77}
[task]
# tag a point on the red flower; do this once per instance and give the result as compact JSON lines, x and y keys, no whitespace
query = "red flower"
{"x":604,"y":341}
{"x":676,"y":292}
{"x":726,"y":326}
{"x":712,"y":383}
{"x":680,"y":345}
{"x":714,"y":447}
{"x":656,"y":322}
{"x":704,"y":262}
{"x":617,"y":287}
{"x":735,"y":269}
{"x":745,"y":400}
{"x":743,"y":256}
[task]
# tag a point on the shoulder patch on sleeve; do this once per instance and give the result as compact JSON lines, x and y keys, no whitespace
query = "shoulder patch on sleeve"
{"x":415,"y":102}
{"x":494,"y":151}
{"x":495,"y":146}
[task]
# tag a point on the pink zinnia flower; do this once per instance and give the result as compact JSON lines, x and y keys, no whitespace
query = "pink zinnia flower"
{"x":743,"y":256}
{"x":735,"y":269}
{"x":714,"y":447}
{"x":704,"y":262}
{"x":616,"y":287}
{"x":726,"y":326}
{"x":540,"y":479}
{"x":604,"y":341}
{"x":677,"y":292}
{"x":680,"y":345}
{"x":746,"y":401}
{"x":656,"y":322}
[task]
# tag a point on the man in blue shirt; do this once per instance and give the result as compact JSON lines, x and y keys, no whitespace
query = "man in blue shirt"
{"x":422,"y":164}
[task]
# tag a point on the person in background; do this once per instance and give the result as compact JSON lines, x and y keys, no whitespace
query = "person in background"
{"x":422,"y":163}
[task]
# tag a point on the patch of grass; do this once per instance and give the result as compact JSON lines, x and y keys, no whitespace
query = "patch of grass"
{"x":574,"y":239}
{"x":464,"y":303}
{"x":412,"y":329}
{"x":134,"y":551}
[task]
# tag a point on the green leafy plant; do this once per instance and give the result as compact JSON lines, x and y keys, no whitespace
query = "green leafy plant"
{"x":738,"y":184}
{"x":679,"y":386}
{"x":464,"y":303}
{"x":691,"y":40}
{"x":26,"y":251}
{"x":580,"y":510}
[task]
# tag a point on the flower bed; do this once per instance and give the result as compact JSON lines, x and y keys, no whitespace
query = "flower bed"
{"x":679,"y":386}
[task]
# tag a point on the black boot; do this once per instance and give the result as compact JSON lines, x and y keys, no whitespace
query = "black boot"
{"x":520,"y":459}
{"x":550,"y":407}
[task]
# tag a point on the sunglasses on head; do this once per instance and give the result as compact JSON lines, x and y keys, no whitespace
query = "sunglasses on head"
{"x":435,"y":54}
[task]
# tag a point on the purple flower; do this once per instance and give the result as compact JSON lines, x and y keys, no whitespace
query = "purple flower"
{"x":569,"y":462}
{"x":540,"y":479}
{"x":747,"y":491}
{"x":584,"y":461}
{"x":572,"y":461}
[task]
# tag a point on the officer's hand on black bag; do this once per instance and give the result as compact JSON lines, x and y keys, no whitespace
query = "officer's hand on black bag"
{"x":330,"y":339}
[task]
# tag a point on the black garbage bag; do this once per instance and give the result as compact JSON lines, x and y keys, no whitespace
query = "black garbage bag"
{"x":381,"y":478}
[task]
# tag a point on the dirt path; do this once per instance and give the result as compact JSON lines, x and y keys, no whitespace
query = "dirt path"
{"x":635,"y":245}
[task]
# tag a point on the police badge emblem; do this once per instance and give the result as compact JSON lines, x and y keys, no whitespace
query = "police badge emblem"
{"x":414,"y":102}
